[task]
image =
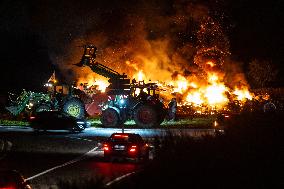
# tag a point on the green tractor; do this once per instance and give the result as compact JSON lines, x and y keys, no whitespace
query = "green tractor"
{"x":29,"y":103}
{"x":142,"y":105}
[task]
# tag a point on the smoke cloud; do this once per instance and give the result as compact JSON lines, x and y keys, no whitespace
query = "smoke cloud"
{"x":162,"y":38}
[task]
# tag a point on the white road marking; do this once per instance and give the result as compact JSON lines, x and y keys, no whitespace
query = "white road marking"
{"x":65,"y":164}
{"x":119,"y":178}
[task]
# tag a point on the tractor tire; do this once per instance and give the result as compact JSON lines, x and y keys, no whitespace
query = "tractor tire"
{"x":146,"y":116}
{"x":74,"y":107}
{"x":110,"y":118}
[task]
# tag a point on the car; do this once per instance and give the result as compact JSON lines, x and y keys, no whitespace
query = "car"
{"x":57,"y":120}
{"x":13,"y":179}
{"x":127,"y":146}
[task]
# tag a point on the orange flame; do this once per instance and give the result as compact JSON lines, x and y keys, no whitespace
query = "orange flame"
{"x":99,"y":83}
{"x":243,"y":94}
{"x":141,"y":75}
{"x":180,"y":85}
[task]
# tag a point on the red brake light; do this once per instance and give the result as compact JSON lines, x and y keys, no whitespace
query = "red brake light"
{"x":120,"y":136}
{"x":132,"y":149}
{"x":105,"y":147}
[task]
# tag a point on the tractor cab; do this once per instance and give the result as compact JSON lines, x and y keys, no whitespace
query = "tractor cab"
{"x":89,"y":56}
{"x":144,"y":90}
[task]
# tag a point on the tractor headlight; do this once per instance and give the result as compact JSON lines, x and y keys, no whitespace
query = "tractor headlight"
{"x":122,"y":101}
{"x":30,"y":105}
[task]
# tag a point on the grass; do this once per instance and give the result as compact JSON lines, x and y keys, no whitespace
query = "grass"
{"x":190,"y":122}
{"x":196,"y":122}
{"x":13,"y":123}
{"x":181,"y":122}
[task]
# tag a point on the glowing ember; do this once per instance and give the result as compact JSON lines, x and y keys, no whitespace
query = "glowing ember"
{"x":215,"y":123}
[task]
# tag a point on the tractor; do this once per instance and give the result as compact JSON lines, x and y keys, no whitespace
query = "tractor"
{"x":61,"y":98}
{"x":126,"y":100}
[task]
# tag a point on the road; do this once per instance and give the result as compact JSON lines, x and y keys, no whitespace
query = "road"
{"x":47,"y":158}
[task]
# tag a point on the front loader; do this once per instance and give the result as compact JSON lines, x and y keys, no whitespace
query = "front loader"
{"x":125,"y":103}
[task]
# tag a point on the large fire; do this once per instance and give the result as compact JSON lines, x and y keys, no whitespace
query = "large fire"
{"x":214,"y":94}
{"x":200,"y":74}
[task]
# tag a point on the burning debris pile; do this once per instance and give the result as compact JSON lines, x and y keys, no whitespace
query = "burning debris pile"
{"x":206,"y":89}
{"x":187,"y":54}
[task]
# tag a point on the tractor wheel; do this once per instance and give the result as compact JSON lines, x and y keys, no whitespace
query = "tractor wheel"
{"x":42,"y":107}
{"x":146,"y":116}
{"x":74,"y":107}
{"x":110,"y":118}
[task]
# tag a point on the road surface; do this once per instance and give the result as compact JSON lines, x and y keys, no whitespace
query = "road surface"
{"x":45,"y":159}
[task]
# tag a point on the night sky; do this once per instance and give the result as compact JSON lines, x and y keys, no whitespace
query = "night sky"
{"x":35,"y":34}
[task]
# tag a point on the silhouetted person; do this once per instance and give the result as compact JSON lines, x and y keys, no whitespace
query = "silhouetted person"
{"x":172,"y":109}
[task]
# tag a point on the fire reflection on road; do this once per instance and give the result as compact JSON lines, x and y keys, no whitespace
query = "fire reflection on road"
{"x":114,"y":169}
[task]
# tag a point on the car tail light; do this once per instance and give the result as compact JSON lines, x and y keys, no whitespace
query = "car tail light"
{"x":133,"y":149}
{"x":32,"y":117}
{"x":106,"y":147}
{"x":120,"y":136}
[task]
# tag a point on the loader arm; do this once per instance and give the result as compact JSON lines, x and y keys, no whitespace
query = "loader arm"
{"x":119,"y":83}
